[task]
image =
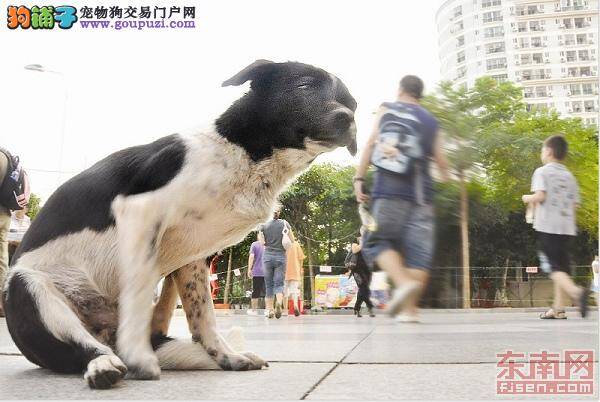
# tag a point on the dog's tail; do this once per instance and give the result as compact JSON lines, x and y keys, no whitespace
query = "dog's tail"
{"x":184,"y":355}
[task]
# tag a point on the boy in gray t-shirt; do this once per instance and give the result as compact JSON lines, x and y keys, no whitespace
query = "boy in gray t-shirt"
{"x":555,"y":199}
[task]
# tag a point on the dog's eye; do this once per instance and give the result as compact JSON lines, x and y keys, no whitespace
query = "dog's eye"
{"x":306,"y":83}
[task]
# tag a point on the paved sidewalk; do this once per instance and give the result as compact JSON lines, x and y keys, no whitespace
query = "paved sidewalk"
{"x":450,"y":355}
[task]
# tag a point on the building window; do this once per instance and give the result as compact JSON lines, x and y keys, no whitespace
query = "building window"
{"x":522,"y":27}
{"x":492,"y":16}
{"x":582,"y":39}
{"x":587,"y":89}
{"x":490,"y":3}
{"x":536,"y":42}
{"x":535,"y":26}
{"x":571,"y":55}
{"x":580,"y":23}
{"x":460,"y":41}
{"x":575,"y":89}
{"x":460,"y":56}
{"x":494,"y":64}
{"x":496,"y":47}
{"x":461,"y":72}
{"x":525,"y":59}
{"x":524,"y":43}
{"x":567,"y":24}
{"x":500,"y":77}
{"x":584,"y":55}
{"x":537,"y":58}
{"x":585,"y":71}
{"x":493,"y":32}
{"x":589,"y":106}
{"x":541,"y":92}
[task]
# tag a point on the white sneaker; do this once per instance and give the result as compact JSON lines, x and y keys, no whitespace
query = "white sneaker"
{"x":251,"y":312}
{"x":407,"y":318}
{"x":400,"y":296}
{"x":266,"y":313}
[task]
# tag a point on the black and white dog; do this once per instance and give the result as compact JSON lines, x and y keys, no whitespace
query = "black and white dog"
{"x":80,"y":289}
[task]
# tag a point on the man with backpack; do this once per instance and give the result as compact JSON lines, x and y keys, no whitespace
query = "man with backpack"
{"x":402,"y":144}
{"x":14,"y":195}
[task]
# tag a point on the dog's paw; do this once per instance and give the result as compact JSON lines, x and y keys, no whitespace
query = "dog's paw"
{"x":104,"y":371}
{"x":144,"y":369}
{"x":258,"y":362}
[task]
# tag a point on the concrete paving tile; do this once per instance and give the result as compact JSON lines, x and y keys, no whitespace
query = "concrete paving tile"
{"x":20,"y":379}
{"x":418,"y":382}
{"x":473,"y":339}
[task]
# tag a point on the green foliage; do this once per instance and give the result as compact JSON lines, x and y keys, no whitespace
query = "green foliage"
{"x":33,"y":206}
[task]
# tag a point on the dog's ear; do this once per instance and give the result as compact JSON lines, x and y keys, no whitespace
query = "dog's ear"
{"x":254,"y":71}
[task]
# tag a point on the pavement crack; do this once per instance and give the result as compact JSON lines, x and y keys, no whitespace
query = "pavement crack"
{"x":307,"y":393}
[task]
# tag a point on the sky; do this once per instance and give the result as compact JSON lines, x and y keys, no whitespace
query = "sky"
{"x":107,"y":89}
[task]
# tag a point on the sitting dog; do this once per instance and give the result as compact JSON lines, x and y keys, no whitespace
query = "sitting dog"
{"x":78,"y":297}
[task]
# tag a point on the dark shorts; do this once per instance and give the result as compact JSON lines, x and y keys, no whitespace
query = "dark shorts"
{"x":405,"y":227}
{"x":258,"y":287}
{"x":553,"y":252}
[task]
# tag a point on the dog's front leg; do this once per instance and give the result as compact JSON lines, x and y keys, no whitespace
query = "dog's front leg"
{"x":139,"y":229}
{"x":194,"y":290}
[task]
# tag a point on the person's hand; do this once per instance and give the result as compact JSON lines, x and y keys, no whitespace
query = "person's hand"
{"x":250,"y":274}
{"x":526,"y":198}
{"x":360,"y":196}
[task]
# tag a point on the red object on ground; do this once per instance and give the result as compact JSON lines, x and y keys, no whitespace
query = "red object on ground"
{"x":291,"y":306}
{"x":213,"y":270}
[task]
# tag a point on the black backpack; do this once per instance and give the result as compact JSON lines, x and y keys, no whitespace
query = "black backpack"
{"x":14,"y":191}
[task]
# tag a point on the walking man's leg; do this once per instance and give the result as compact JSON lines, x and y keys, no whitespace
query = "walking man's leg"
{"x":4,"y":227}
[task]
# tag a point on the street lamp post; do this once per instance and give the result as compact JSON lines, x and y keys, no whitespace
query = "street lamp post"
{"x":42,"y":69}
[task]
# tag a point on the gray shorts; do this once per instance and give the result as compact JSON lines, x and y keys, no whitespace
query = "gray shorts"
{"x":403,"y":226}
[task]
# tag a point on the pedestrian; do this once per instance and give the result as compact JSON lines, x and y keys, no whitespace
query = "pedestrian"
{"x":4,"y":227}
{"x":555,"y":200}
{"x":256,"y":273}
{"x":19,"y":223}
{"x":595,"y":279}
{"x":402,"y":144}
{"x":357,"y":267}
{"x":276,"y":232}
{"x":294,"y":273}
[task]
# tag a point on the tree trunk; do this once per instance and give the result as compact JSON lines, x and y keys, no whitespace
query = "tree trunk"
{"x":310,"y":272}
{"x":228,"y":280}
{"x":464,"y":235}
{"x":329,"y":235}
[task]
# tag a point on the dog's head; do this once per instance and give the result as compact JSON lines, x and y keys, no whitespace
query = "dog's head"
{"x":289,"y":105}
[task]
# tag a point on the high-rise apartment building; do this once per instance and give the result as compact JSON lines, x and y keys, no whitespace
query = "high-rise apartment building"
{"x":548,"y":47}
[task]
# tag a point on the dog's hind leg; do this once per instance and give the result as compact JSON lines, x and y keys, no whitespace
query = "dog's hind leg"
{"x":139,"y":231}
{"x":49,"y":333}
{"x":163,"y":310}
{"x":194,"y":290}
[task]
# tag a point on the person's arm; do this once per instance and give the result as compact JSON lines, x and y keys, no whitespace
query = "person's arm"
{"x":439,"y":156}
{"x":365,"y":159}
{"x":536,"y":198}
{"x":538,"y":187}
{"x":250,"y":264}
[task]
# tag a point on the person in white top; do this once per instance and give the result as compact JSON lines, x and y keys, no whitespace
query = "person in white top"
{"x":555,"y":199}
{"x":19,"y":223}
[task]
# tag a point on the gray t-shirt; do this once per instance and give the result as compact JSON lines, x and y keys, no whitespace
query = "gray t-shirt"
{"x":556,"y":214}
{"x":272,"y":231}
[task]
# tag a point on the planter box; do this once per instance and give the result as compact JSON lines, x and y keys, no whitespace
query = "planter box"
{"x":222,"y":306}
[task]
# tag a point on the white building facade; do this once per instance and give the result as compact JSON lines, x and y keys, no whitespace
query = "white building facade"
{"x":548,"y":47}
